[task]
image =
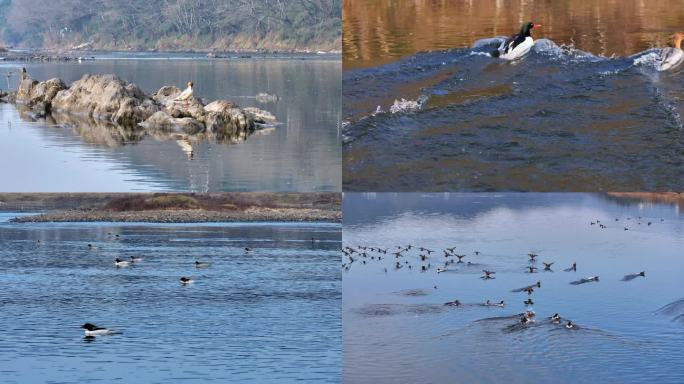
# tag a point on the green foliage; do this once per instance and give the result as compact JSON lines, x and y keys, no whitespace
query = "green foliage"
{"x":173,"y":24}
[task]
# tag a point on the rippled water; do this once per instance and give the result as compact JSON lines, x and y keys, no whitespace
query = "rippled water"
{"x":396,"y":328}
{"x":380,"y":31}
{"x":303,"y":153}
{"x":269,"y":316}
{"x":559,"y":119}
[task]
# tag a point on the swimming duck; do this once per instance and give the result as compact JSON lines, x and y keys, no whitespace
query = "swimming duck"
{"x":555,"y":318}
{"x":94,"y":330}
{"x":186,"y":94}
{"x":532,"y":256}
{"x":186,"y":280}
{"x":569,"y":325}
{"x":454,"y":303}
{"x":487,"y":274}
{"x":201,"y":265}
{"x":573,"y":268}
{"x":672,"y":57}
{"x":529,"y":302}
{"x":136,"y":258}
{"x":518,"y":45}
{"x":547,"y":266}
{"x":121,"y":263}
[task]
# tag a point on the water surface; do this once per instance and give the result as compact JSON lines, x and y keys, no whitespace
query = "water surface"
{"x":272,"y":315}
{"x":396,"y":328}
{"x":380,"y":31}
{"x":559,"y":119}
{"x":301,"y":154}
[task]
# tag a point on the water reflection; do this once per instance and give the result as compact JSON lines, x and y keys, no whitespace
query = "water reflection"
{"x":378,"y":32}
{"x":392,"y":334}
{"x":301,"y":154}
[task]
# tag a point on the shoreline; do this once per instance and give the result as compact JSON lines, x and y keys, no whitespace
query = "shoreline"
{"x":50,"y":55}
{"x":184,"y":216}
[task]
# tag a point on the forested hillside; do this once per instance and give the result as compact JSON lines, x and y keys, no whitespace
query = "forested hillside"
{"x":172,"y":24}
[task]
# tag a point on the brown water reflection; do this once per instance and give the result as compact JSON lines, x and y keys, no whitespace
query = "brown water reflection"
{"x":376,"y":32}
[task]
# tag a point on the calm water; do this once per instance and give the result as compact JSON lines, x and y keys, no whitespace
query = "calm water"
{"x":397,"y":330}
{"x":301,"y":154}
{"x":269,"y":316}
{"x":560,"y":119}
{"x":380,"y":31}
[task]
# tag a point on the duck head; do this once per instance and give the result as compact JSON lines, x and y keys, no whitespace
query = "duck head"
{"x":677,"y":40}
{"x":527,"y":28}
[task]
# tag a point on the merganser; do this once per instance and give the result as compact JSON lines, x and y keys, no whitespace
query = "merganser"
{"x":555,"y":318}
{"x":518,"y":45}
{"x":201,"y":265}
{"x":634,"y":276}
{"x":454,"y":303}
{"x":121,"y":263}
{"x":573,"y":268}
{"x":672,"y":57}
{"x":94,"y":330}
{"x":569,"y":325}
{"x":186,"y":280}
{"x":547,"y":266}
{"x":186,"y":94}
{"x":532,"y":256}
{"x":136,"y":258}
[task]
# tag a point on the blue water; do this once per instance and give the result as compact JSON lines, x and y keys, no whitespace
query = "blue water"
{"x":397,"y":330}
{"x":559,"y":119}
{"x":269,"y":316}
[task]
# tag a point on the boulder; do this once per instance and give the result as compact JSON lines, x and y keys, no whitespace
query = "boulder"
{"x":38,"y":95}
{"x":260,"y":116}
{"x":162,"y":121}
{"x":105,"y":97}
{"x":226,"y":121}
{"x":166,"y":97}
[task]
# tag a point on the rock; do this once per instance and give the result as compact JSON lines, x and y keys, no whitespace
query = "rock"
{"x":226,"y":121}
{"x":260,"y":116}
{"x":166,"y":96}
{"x":38,"y":95}
{"x":162,"y":121}
{"x":105,"y":97}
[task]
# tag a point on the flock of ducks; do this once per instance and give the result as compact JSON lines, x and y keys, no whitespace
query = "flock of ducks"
{"x":363,"y":255}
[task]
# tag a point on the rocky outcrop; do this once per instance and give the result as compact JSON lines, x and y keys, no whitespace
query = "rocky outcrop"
{"x":105,"y":97}
{"x":38,"y":95}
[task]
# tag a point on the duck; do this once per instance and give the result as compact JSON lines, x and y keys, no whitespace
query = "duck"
{"x":572,"y":268}
{"x":186,"y":280}
{"x":529,"y":302}
{"x":547,"y":266}
{"x":94,"y":330}
{"x":569,"y":325}
{"x":518,"y":45}
{"x":555,"y":318}
{"x":186,"y":94}
{"x":199,"y":264}
{"x":136,"y":258}
{"x":454,"y":303}
{"x":490,"y":304}
{"x":671,"y":57}
{"x":121,"y":263}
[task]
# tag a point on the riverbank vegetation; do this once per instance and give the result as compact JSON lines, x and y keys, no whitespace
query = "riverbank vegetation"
{"x":172,"y":25}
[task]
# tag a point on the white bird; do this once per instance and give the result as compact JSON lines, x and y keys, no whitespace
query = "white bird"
{"x":186,"y":94}
{"x":121,"y":263}
{"x":673,"y":56}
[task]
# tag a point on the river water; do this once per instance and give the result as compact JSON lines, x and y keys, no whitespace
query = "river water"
{"x":302,"y":153}
{"x":271,"y":315}
{"x":396,"y":328}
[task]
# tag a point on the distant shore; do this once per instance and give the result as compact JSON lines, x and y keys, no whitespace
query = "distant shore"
{"x":173,"y":208}
{"x":48,"y":55}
